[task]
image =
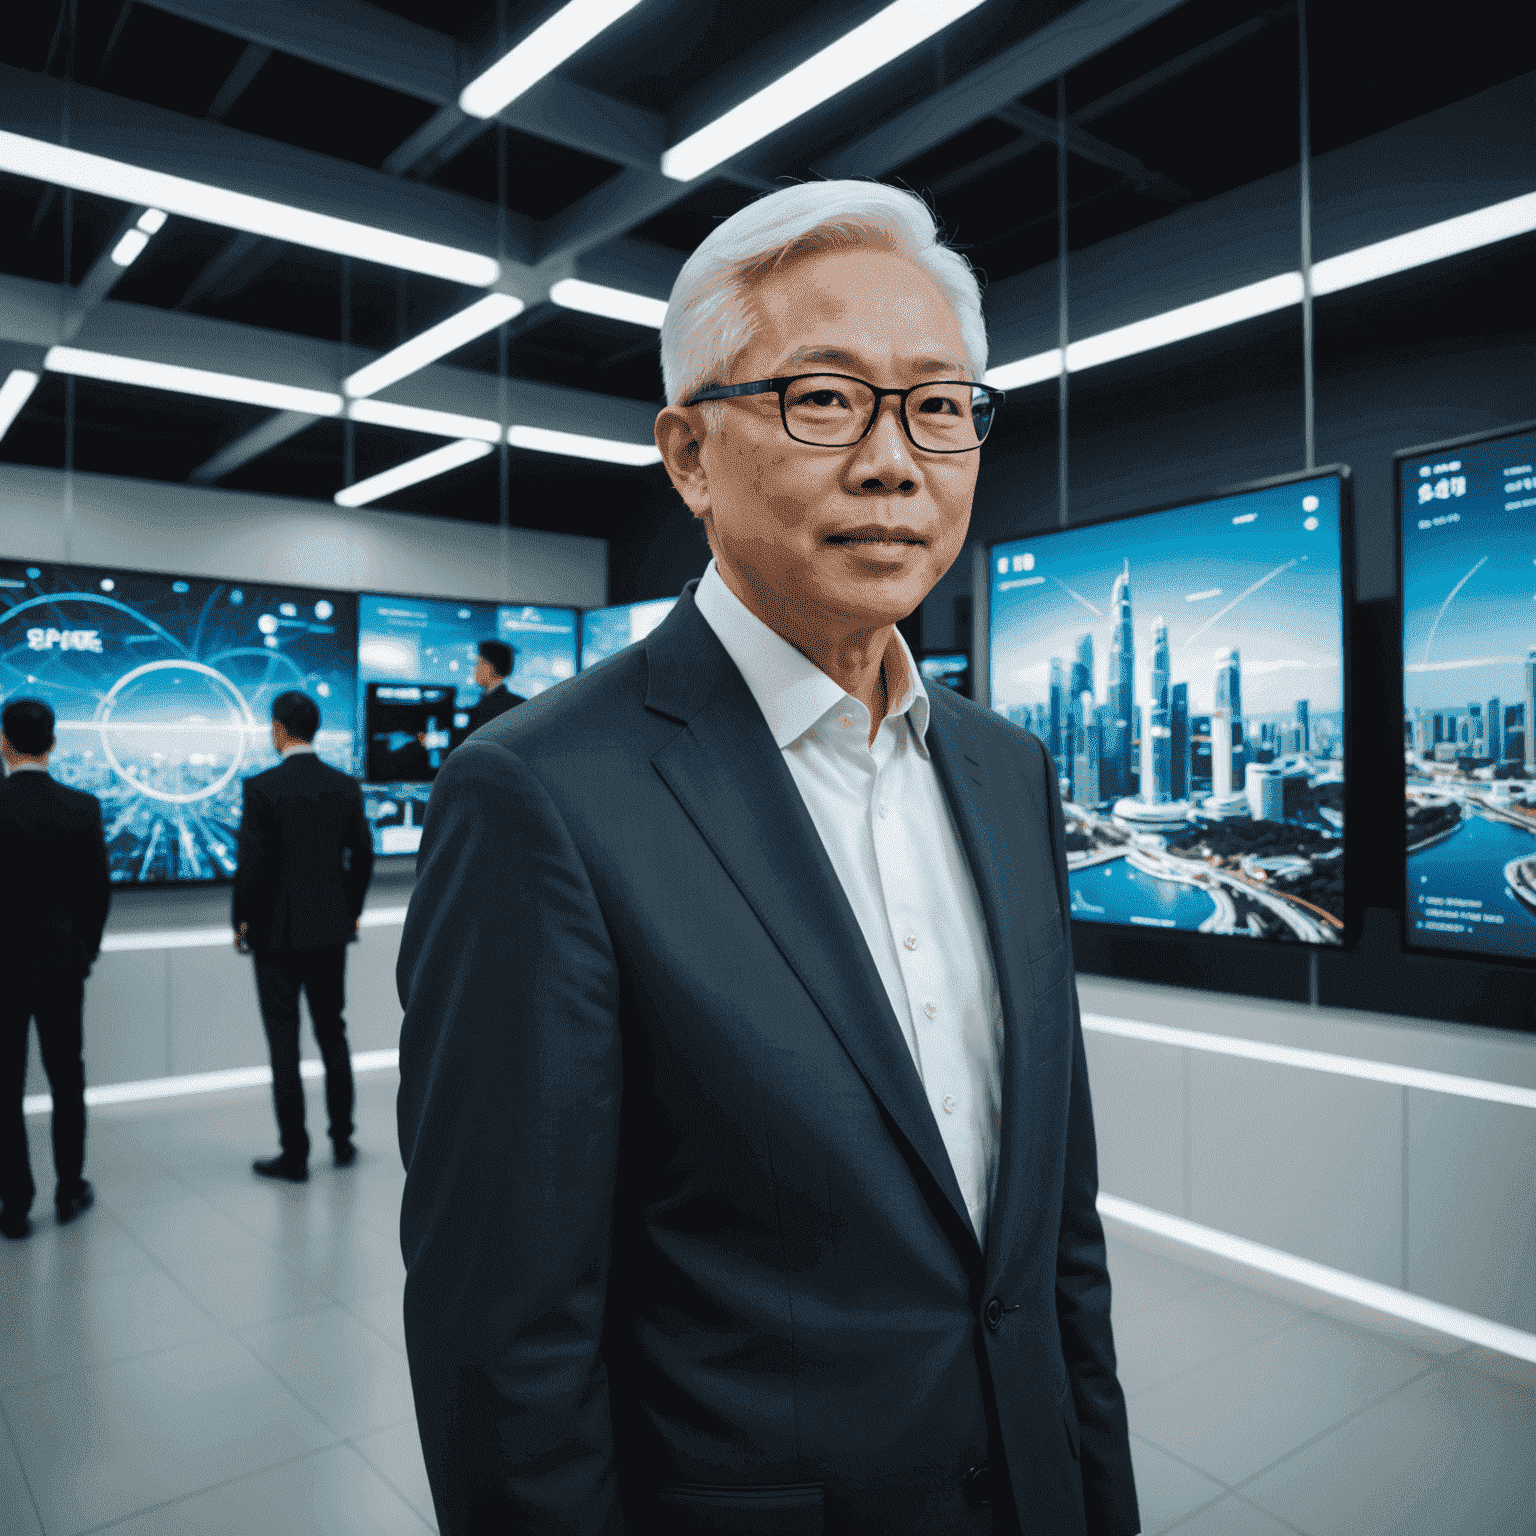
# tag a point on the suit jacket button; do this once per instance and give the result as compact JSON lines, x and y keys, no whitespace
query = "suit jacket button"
{"x":994,"y":1314}
{"x":976,"y":1487}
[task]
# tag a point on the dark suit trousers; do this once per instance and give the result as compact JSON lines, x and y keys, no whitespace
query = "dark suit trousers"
{"x":54,"y":996}
{"x":320,"y":973}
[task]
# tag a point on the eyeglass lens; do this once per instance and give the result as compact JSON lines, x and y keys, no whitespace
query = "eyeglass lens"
{"x":834,"y":412}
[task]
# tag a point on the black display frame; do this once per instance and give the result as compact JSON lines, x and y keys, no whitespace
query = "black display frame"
{"x":1405,"y":931}
{"x":1354,"y":906}
{"x":349,"y":595}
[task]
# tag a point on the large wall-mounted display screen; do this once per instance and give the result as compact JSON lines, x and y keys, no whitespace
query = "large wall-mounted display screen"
{"x":406,"y":643}
{"x":162,"y":687}
{"x":1185,"y":669}
{"x":606,"y":631}
{"x":1468,"y":516}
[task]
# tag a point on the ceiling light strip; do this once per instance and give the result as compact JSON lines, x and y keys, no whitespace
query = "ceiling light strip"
{"x":415,"y":418}
{"x":1385,"y":1299}
{"x":434,"y":342}
{"x":544,"y":50}
{"x":190,"y":381}
{"x":14,"y":394}
{"x":209,"y":204}
{"x":574,"y":445}
{"x":1384,"y":258}
{"x":867,"y":48}
{"x":438,"y":462}
{"x":612,"y":303}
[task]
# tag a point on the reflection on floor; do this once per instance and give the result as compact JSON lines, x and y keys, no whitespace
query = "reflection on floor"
{"x":202,"y":1352}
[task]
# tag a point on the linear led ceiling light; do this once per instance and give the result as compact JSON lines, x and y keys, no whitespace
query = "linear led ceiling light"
{"x":858,"y":53}
{"x":14,"y":394}
{"x":1417,"y":248}
{"x":415,"y":418}
{"x":545,"y":49}
{"x":412,"y":472}
{"x":238,"y":210}
{"x":574,"y":445}
{"x":435,"y":342}
{"x":190,"y":381}
{"x":131,"y":246}
{"x":615,"y":303}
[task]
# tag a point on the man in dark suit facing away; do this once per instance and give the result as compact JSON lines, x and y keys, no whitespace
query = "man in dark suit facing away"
{"x":750,"y":1173}
{"x":491,"y":673}
{"x":305,"y":859}
{"x":54,"y":895}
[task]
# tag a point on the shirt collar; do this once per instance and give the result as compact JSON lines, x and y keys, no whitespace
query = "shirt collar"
{"x":29,"y":768}
{"x":792,"y":691}
{"x":294,"y":748}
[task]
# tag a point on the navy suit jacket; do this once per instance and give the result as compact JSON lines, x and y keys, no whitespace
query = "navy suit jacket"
{"x":684,"y":1249}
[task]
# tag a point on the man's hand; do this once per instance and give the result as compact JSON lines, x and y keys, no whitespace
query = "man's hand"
{"x":242,"y":944}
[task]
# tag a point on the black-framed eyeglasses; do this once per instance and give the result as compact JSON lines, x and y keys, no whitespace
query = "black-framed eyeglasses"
{"x":836,"y":410}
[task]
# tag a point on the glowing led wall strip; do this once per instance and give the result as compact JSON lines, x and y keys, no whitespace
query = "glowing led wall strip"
{"x":1416,"y":248}
{"x":1315,"y":1061}
{"x":212,"y":938}
{"x":1331,"y":1282}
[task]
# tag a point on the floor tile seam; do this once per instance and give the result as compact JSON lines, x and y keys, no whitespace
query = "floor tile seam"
{"x":1225,"y":1355}
{"x":166,"y":1270}
{"x":1183,"y":1461}
{"x":378,"y":1333}
{"x":1331,"y":1429}
{"x":427,"y":1516}
{"x":1199,"y":1509}
{"x":21,"y":1466}
{"x":197,"y":1493}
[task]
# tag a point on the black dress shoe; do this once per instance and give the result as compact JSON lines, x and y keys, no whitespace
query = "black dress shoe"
{"x":15,"y":1225}
{"x":71,"y":1205}
{"x":346,"y":1154}
{"x":281,"y":1168}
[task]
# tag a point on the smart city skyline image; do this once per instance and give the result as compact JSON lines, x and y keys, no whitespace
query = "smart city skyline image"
{"x":1185,"y":670}
{"x":416,"y":640}
{"x":162,"y":687}
{"x":1469,"y":696}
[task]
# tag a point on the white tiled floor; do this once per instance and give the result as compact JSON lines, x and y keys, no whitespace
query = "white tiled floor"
{"x":207,"y":1353}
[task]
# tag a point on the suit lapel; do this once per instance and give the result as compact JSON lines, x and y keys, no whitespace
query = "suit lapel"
{"x":731,"y":780}
{"x":963,"y":772}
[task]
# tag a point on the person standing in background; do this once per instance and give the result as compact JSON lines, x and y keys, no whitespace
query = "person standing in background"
{"x":305,"y":859}
{"x":54,"y":896}
{"x":491,"y":673}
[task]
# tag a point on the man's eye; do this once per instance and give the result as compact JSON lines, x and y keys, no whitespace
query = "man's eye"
{"x":822,"y":399}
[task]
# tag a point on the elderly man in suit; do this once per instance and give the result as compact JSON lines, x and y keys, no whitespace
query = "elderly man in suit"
{"x":750,"y":1160}
{"x":54,"y":894}
{"x":305,"y":859}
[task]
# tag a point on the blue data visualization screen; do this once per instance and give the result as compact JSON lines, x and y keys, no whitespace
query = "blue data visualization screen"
{"x":1469,"y":695}
{"x":606,"y":631}
{"x":162,"y":687}
{"x":1185,"y":669}
{"x":408,"y":642}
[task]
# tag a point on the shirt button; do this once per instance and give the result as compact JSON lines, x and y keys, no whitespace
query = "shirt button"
{"x":929,"y":1009}
{"x":884,"y":808}
{"x":910,"y":941}
{"x":846,"y":721}
{"x":949,"y":1104}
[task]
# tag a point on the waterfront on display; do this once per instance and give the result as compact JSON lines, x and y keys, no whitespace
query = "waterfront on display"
{"x":1200,"y":751}
{"x":1469,"y":695}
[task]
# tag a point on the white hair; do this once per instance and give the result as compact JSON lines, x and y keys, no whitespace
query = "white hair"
{"x":709,"y":318}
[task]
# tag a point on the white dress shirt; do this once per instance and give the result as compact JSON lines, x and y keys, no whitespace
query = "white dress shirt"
{"x":295,"y":748}
{"x":888,"y":831}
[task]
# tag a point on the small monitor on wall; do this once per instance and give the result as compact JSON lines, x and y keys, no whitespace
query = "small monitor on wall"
{"x":162,"y":688}
{"x":432,"y":644}
{"x":1467,"y":512}
{"x":1185,"y":669}
{"x":606,"y":631}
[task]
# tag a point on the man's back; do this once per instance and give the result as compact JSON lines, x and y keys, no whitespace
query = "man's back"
{"x":493,"y":702}
{"x":56,"y":888}
{"x":306,"y":855}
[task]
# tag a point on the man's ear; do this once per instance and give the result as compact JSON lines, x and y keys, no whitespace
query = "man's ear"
{"x":679,"y":438}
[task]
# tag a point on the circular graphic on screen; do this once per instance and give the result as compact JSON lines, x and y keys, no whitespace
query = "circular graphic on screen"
{"x":175,"y":730}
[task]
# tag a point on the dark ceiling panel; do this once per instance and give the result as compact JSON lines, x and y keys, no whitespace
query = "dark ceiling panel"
{"x":542,"y":178}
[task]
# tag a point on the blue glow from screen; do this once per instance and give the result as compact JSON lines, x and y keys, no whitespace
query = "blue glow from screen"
{"x":1469,"y":696}
{"x":1131,"y":648}
{"x":606,"y":631}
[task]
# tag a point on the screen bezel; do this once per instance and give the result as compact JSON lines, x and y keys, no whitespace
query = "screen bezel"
{"x":1410,"y":944}
{"x":1220,"y":943}
{"x":347,"y":594}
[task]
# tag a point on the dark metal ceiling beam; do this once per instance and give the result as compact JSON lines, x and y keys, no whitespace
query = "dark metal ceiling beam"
{"x":1086,"y":30}
{"x":236,"y":82}
{"x":274,"y":431}
{"x":1086,"y":147}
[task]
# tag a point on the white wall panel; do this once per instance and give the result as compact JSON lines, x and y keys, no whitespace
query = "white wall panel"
{"x":1139,"y":1118}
